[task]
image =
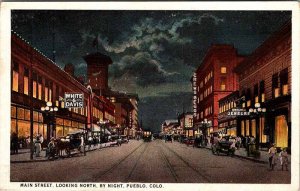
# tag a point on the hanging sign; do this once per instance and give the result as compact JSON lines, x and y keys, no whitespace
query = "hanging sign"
{"x":74,"y":100}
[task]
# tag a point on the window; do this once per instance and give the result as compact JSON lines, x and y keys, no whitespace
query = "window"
{"x":46,"y":93}
{"x":275,"y":88}
{"x":26,"y":74}
{"x":15,"y":84}
{"x":262,"y":91}
{"x":284,"y":81}
{"x":34,"y":89}
{"x":248,"y":103}
{"x":223,"y":85}
{"x":40,"y":88}
{"x":223,"y":70}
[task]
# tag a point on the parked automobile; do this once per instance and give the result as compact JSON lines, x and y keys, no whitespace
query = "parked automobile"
{"x":182,"y":139}
{"x":168,"y":138}
{"x":115,"y":140}
{"x":224,"y":146}
{"x":190,"y":141}
{"x":124,"y":139}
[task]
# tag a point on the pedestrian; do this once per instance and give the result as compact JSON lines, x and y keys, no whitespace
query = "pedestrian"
{"x":81,"y":143}
{"x":272,"y":153}
{"x":284,"y":159}
{"x":90,"y":140}
{"x":14,"y":143}
{"x":238,"y":142}
{"x":51,"y":148}
{"x":38,"y":146}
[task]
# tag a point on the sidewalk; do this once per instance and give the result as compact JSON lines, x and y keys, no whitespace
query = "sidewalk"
{"x":23,"y":155}
{"x":264,"y":156}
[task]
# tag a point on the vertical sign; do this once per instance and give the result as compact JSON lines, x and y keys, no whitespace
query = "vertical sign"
{"x":195,"y":94}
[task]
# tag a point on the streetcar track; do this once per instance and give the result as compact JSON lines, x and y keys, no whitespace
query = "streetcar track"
{"x":135,"y":165}
{"x":169,"y":165}
{"x":188,"y":164}
{"x":117,"y":163}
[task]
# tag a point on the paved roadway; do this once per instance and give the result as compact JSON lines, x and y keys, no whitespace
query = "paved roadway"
{"x":156,"y":161}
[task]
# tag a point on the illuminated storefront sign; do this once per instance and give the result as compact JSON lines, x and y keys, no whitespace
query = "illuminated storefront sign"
{"x":74,"y":100}
{"x":238,"y":112}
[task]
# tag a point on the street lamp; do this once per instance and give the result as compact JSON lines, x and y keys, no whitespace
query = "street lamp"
{"x":49,"y":115}
{"x":256,"y":112}
{"x":204,"y":125}
{"x":102,"y":123}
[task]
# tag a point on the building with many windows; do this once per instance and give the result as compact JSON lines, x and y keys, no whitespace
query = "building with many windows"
{"x":36,"y":80}
{"x":213,"y":80}
{"x":185,"y":120}
{"x":265,"y":81}
{"x":227,"y":121}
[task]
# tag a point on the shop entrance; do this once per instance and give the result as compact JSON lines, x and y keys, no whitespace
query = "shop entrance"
{"x":281,"y":131}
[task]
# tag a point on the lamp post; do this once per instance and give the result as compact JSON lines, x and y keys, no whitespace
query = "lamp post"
{"x":102,"y":123}
{"x":204,"y":125}
{"x":256,"y":112}
{"x":49,"y":115}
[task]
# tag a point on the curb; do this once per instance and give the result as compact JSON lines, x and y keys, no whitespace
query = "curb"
{"x":248,"y":158}
{"x":46,"y":159}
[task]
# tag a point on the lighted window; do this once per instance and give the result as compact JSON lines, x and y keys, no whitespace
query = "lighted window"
{"x":247,"y":128}
{"x":253,"y":127}
{"x":15,"y":85}
{"x":50,"y":95}
{"x":223,"y":70}
{"x":34,"y":89}
{"x":40,"y":91}
{"x":242,"y":128}
{"x":256,"y":99}
{"x":62,"y":104}
{"x":285,"y":89}
{"x":263,"y":97}
{"x":276,"y":92}
{"x":46,"y":93}
{"x":223,"y":87}
{"x":243,"y":105}
{"x":248,"y":103}
{"x":26,"y":85}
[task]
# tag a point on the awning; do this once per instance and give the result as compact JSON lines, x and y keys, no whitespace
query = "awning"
{"x":96,"y":128}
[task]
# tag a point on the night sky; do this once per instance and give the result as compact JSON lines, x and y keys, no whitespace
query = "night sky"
{"x":154,"y":53}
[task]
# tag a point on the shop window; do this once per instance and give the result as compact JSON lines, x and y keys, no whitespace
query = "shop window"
{"x":242,"y":128}
{"x":40,"y":117}
{"x":59,"y":121}
{"x":23,"y":128}
{"x":15,"y":81}
{"x":20,"y":113}
{"x":27,"y":114}
{"x":35,"y":116}
{"x":13,"y":126}
{"x":253,"y":127}
{"x":247,"y":128}
{"x":281,"y":131}
{"x":13,"y":111}
{"x":223,"y":70}
{"x":263,"y":138}
{"x":50,"y":95}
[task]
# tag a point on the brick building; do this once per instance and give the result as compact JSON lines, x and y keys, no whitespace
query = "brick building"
{"x":228,"y":123}
{"x":36,"y":80}
{"x":186,"y":123}
{"x":213,"y":80}
{"x":265,"y":78}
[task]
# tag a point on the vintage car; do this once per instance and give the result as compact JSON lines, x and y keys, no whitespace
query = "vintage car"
{"x":124,"y":139}
{"x":115,"y":140}
{"x":225,"y":145}
{"x":168,"y":138}
{"x":190,"y":141}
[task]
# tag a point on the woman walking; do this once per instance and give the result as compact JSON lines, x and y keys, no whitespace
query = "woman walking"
{"x":272,"y":153}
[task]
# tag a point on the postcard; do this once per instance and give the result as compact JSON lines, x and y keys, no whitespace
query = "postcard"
{"x":150,"y":96}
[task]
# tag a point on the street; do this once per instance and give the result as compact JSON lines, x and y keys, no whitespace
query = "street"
{"x":151,"y":162}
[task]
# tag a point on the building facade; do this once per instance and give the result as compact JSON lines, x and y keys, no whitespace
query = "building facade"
{"x":227,"y":121}
{"x":36,"y":80}
{"x":186,"y":124}
{"x":213,"y":80}
{"x":265,"y":78}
